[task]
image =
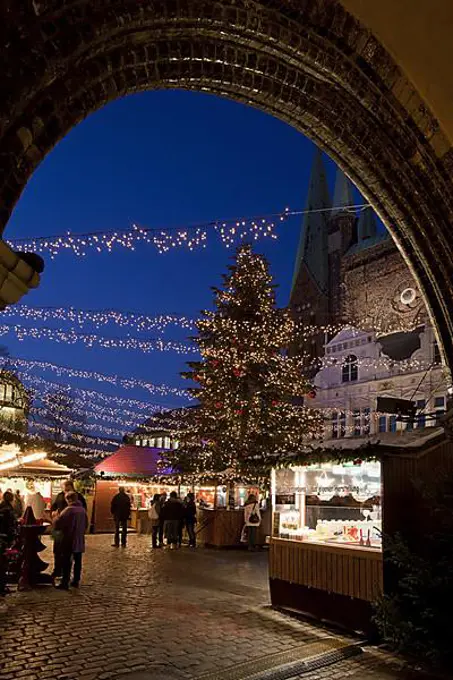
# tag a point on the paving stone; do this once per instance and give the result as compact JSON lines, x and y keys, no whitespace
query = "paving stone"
{"x":140,"y":615}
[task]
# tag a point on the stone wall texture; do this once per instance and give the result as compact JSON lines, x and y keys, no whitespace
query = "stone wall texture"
{"x":308,"y":62}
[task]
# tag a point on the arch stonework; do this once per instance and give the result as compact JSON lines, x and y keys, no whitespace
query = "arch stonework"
{"x":308,"y":62}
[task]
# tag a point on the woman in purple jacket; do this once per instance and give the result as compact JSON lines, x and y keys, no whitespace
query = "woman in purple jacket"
{"x":72,"y":523}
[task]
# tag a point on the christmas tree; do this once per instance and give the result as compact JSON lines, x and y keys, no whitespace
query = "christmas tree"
{"x":248,"y":388}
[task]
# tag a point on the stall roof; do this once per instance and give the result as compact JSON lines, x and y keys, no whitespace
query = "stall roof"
{"x":43,"y":467}
{"x":133,"y":460}
{"x":405,"y":439}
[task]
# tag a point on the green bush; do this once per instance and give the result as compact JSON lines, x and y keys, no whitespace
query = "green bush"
{"x":416,"y":618}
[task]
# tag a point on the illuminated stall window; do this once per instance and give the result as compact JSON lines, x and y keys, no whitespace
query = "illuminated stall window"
{"x":329,"y":503}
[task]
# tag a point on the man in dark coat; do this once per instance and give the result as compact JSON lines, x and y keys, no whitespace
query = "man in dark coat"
{"x":172,"y":514}
{"x":121,"y":511}
{"x":60,"y":503}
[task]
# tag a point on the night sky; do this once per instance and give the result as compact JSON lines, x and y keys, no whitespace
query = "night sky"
{"x":158,"y":159}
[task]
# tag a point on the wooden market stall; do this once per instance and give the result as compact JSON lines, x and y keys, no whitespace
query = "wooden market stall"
{"x":329,"y":517}
{"x":31,"y":472}
{"x":220,"y":512}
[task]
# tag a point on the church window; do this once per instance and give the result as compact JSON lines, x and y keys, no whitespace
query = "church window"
{"x":350,"y":371}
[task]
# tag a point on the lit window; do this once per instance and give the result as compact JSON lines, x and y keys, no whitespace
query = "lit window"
{"x":349,"y":371}
{"x":166,"y":442}
{"x":421,"y":417}
{"x":138,"y":442}
{"x":159,"y":442}
{"x":382,"y":425}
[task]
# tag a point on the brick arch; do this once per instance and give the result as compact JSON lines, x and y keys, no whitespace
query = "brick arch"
{"x":309,"y":63}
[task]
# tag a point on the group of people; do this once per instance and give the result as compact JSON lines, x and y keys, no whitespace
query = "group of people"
{"x":19,"y":503}
{"x":168,"y":518}
{"x":69,"y":524}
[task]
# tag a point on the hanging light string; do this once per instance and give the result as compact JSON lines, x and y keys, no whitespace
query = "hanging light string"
{"x":27,"y":365}
{"x":72,"y":337}
{"x":84,"y":451}
{"x":229,"y":231}
{"x":100,"y":318}
{"x":146,"y":346}
{"x":93,"y":395}
{"x":145,"y":323}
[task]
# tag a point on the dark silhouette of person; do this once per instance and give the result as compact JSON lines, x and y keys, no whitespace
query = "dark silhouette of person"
{"x":121,"y":511}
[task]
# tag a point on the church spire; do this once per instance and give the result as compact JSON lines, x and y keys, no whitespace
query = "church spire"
{"x":313,"y":243}
{"x":343,"y":194}
{"x":367,"y":224}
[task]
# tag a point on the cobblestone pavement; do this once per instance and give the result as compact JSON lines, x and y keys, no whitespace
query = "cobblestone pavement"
{"x":157,"y":614}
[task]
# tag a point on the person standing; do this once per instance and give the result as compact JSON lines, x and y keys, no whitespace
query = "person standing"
{"x":172,"y":514}
{"x":8,"y":530}
{"x":154,"y":516}
{"x":60,"y":503}
{"x":252,"y":518}
{"x":72,"y":523}
{"x":57,"y":508}
{"x":191,"y":518}
{"x":18,"y":504}
{"x":121,"y":511}
{"x":163,"y":500}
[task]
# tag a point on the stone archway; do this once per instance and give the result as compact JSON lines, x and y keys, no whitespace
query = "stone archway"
{"x":309,"y":63}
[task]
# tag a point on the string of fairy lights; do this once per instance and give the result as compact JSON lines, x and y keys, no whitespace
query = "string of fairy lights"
{"x":24,"y":366}
{"x":100,"y":318}
{"x":159,"y":323}
{"x":229,"y":232}
{"x":72,"y":337}
{"x":91,"y":340}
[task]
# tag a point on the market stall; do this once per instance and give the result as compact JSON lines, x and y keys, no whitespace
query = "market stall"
{"x":329,"y":519}
{"x":138,"y":469}
{"x":31,"y":472}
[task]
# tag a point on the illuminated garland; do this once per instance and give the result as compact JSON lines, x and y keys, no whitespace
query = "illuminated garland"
{"x":99,"y":318}
{"x":91,"y":395}
{"x":145,"y":323}
{"x":80,"y":436}
{"x":92,"y":340}
{"x":30,"y":440}
{"x":229,"y":232}
{"x":70,"y":422}
{"x":116,"y":380}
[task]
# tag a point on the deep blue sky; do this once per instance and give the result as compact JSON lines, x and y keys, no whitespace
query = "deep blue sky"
{"x":166,"y":158}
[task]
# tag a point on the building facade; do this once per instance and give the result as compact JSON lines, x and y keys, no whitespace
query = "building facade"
{"x":14,"y":403}
{"x":371,"y":332}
